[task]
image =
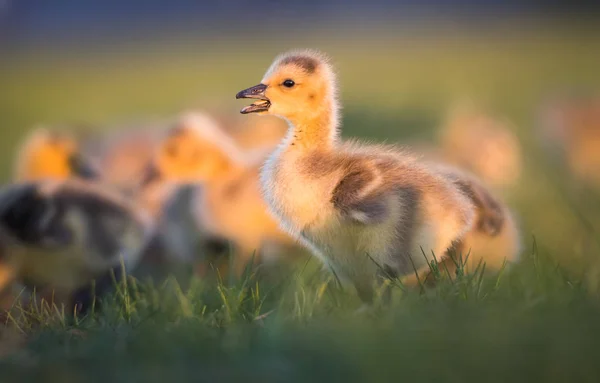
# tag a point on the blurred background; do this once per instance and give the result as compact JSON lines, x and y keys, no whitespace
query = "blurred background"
{"x":510,"y":90}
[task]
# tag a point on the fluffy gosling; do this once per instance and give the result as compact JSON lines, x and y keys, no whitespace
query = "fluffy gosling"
{"x":59,"y":236}
{"x":49,"y":154}
{"x":363,"y":209}
{"x":228,"y":203}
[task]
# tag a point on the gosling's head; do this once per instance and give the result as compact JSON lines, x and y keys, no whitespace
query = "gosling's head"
{"x":196,"y":149}
{"x":47,"y":153}
{"x":298,"y":84}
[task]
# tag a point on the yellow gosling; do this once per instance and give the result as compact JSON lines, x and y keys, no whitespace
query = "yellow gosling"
{"x":60,"y":235}
{"x":360,"y":208}
{"x":48,"y":154}
{"x":44,"y":154}
{"x":228,"y":203}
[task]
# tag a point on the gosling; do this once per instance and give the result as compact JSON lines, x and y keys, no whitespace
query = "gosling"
{"x":51,"y":157}
{"x":60,"y":236}
{"x":363,"y":209}
{"x":50,"y":154}
{"x":228,"y":204}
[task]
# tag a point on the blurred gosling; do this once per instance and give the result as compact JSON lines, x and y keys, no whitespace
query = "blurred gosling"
{"x":49,"y":154}
{"x":59,"y":236}
{"x":363,"y":209}
{"x":228,"y":200}
{"x":123,"y":159}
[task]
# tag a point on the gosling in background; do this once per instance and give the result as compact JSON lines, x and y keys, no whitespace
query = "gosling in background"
{"x":47,"y":160}
{"x":228,"y":202}
{"x":50,"y":154}
{"x":60,"y":236}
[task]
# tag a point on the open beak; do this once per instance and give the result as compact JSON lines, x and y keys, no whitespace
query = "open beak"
{"x":82,"y":168}
{"x":257,"y":92}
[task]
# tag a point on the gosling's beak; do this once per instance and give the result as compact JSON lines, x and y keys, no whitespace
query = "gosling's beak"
{"x":82,"y":168}
{"x":258,"y":92}
{"x":150,"y":175}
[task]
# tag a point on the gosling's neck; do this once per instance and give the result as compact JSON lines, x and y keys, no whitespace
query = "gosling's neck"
{"x":315,"y":130}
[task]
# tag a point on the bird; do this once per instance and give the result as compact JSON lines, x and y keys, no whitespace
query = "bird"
{"x":369,"y":211}
{"x":227,"y":200}
{"x":70,"y":237}
{"x":48,"y":153}
{"x":51,"y":154}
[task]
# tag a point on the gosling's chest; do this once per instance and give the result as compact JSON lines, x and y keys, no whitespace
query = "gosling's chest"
{"x":300,"y":199}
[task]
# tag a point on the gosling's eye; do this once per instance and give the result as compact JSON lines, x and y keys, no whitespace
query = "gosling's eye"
{"x":289,"y":83}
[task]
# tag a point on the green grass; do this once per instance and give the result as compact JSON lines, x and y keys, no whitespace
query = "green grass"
{"x":537,"y":321}
{"x":530,"y":322}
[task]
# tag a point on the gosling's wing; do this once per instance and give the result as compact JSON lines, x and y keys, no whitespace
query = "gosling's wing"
{"x":359,"y":196}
